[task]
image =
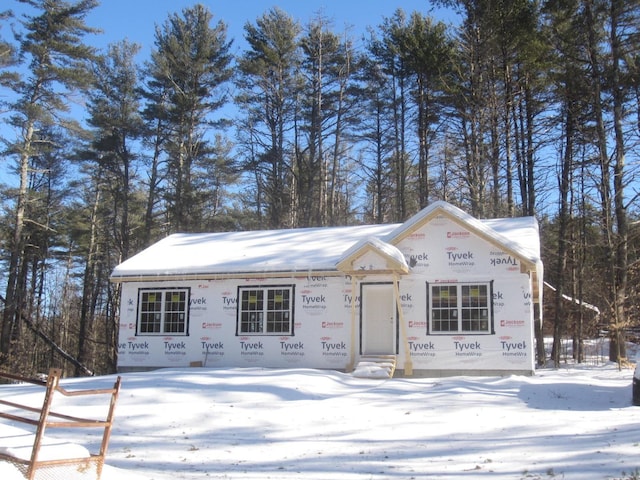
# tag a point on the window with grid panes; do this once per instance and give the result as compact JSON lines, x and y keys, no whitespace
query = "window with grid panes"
{"x":460,"y":308}
{"x":265,"y":310}
{"x":163,"y":312}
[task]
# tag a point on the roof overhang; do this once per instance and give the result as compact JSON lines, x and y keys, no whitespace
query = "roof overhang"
{"x":528,"y":264}
{"x":174,"y":277}
{"x":465,"y":221}
{"x":373,"y":257}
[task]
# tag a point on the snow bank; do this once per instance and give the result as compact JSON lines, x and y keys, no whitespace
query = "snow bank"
{"x":246,"y":424}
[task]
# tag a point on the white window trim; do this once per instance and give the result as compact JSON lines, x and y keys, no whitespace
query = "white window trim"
{"x":490,"y":323}
{"x":162,"y":312}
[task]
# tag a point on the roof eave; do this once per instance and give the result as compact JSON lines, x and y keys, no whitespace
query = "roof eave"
{"x":529,"y":263}
{"x":173,"y":277}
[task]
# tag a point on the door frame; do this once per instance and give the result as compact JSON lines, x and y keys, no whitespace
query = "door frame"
{"x":363,"y":324}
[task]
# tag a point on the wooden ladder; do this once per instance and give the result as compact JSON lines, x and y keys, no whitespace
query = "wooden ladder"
{"x":44,"y":418}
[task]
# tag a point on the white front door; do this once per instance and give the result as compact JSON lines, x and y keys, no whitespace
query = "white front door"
{"x":378,"y":319}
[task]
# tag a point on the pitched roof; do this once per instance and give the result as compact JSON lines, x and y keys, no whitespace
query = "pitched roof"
{"x":266,"y":251}
{"x":307,"y":250}
{"x":519,"y":236}
{"x":393,"y":258}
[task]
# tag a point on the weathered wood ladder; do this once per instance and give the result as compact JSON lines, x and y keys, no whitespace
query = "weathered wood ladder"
{"x":43,"y":417}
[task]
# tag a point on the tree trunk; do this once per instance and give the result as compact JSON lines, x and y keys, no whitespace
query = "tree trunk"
{"x":620,"y":209}
{"x":14,"y":294}
{"x":563,"y":223}
{"x":88,"y":287}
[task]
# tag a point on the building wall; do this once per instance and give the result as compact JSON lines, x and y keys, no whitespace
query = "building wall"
{"x":321,"y":336}
{"x":440,"y":252}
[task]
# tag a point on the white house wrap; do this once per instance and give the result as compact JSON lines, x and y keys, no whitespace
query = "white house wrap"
{"x":444,"y":293}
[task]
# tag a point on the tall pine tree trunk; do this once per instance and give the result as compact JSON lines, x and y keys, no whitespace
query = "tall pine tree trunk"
{"x":620,"y":210}
{"x":14,"y":293}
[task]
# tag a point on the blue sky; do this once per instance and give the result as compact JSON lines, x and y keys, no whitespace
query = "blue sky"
{"x":136,"y":19}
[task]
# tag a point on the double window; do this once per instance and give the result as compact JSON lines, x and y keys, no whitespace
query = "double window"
{"x":265,"y":310}
{"x":163,"y":312}
{"x":460,"y":308}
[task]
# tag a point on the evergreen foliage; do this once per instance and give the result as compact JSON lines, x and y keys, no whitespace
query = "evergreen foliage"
{"x":524,"y":108}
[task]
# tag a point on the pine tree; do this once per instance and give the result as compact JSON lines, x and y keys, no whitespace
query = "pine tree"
{"x":190,"y":66}
{"x":58,"y":66}
{"x":268,"y":87}
{"x":327,"y":71}
{"x":114,"y":106}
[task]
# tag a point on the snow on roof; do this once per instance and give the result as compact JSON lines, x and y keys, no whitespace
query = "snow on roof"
{"x":519,"y":234}
{"x":385,"y":248}
{"x":305,"y":249}
{"x":292,"y":250}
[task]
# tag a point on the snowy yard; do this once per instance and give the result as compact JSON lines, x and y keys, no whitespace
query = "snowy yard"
{"x":246,"y":424}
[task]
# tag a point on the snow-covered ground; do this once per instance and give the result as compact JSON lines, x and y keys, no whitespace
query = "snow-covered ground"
{"x":249,"y":424}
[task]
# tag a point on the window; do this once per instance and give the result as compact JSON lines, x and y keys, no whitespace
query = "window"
{"x":265,"y":310}
{"x":163,"y":312}
{"x":460,"y":308}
